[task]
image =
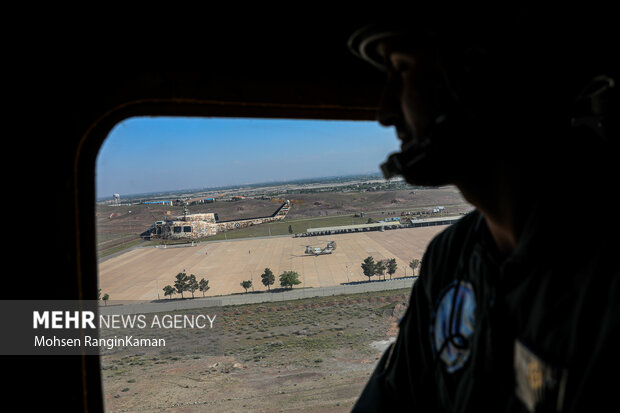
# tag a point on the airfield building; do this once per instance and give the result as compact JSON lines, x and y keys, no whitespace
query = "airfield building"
{"x":379,"y":226}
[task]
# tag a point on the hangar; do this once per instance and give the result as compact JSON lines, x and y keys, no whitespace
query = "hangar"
{"x":378,"y":226}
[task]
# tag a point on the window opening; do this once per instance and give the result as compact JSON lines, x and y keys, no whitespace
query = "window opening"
{"x":267,"y":224}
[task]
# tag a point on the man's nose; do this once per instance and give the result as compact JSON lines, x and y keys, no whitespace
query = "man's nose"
{"x":390,"y":112}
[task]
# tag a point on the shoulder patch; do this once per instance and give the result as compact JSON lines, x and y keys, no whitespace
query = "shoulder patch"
{"x":453,"y":323}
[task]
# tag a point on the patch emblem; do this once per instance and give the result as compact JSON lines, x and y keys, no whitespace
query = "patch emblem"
{"x":453,"y":323}
{"x":538,"y":383}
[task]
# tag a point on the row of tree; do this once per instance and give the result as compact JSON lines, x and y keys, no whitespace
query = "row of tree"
{"x":190,"y":283}
{"x":288,"y":279}
{"x":379,"y":268}
{"x":183,"y":283}
{"x":105,"y":297}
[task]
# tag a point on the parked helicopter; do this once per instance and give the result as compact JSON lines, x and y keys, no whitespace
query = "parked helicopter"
{"x":329,"y":248}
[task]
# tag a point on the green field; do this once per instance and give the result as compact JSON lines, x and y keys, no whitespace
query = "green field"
{"x":282,"y":227}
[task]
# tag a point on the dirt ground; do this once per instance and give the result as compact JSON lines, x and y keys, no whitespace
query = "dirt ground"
{"x":310,"y":355}
{"x":141,"y":274}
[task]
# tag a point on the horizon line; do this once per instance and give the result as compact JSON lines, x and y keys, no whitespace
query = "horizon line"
{"x":241,"y":185}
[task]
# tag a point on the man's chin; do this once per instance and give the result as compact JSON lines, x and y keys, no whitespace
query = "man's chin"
{"x":428,"y":178}
{"x":430,"y":171}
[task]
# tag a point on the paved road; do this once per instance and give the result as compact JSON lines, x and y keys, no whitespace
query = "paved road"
{"x":168,"y":305}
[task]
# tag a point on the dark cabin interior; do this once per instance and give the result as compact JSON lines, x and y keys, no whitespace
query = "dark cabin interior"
{"x":68,"y":89}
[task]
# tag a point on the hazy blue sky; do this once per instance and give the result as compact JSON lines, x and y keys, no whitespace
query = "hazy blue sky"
{"x":147,"y":154}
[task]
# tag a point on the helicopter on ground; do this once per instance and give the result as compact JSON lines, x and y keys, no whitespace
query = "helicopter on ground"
{"x":328,"y":249}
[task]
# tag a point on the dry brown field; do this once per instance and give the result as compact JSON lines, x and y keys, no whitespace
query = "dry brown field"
{"x":141,"y":274}
{"x":308,"y":355}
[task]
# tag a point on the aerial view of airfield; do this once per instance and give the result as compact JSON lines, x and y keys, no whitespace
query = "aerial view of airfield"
{"x":308,"y":250}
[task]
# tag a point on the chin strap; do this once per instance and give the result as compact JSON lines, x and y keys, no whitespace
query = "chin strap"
{"x":414,"y":152}
{"x":399,"y":163}
{"x":392,"y":166}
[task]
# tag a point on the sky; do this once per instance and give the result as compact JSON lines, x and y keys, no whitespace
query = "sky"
{"x":159,"y":154}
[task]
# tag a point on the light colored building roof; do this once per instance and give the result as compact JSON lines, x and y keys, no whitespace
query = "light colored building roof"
{"x":395,"y":224}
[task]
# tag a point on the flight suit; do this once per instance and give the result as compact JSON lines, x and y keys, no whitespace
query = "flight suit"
{"x":534,"y":331}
